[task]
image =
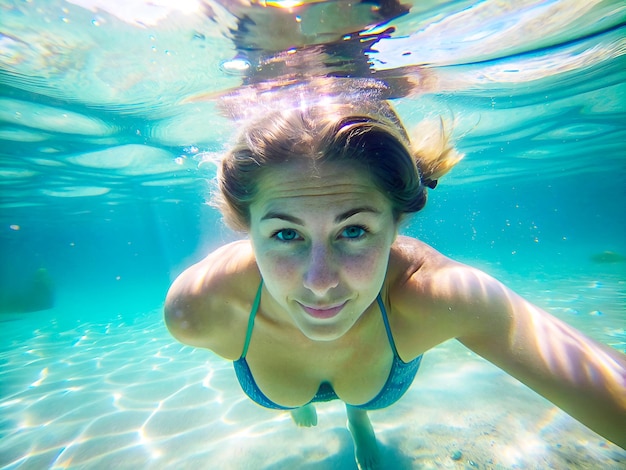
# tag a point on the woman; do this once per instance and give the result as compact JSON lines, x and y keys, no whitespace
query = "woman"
{"x":326,"y":301}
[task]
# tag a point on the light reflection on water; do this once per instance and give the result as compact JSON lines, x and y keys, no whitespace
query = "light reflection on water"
{"x":148,"y":76}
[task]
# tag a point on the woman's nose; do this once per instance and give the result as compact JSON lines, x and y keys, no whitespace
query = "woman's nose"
{"x":321,"y":274}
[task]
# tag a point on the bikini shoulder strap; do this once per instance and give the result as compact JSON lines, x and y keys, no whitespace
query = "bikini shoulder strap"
{"x":255,"y":307}
{"x":383,"y":311}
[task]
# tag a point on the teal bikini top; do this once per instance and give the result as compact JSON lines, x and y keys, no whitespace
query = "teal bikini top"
{"x":400,"y":377}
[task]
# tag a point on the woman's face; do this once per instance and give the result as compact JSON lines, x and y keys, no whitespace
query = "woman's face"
{"x":321,"y":238}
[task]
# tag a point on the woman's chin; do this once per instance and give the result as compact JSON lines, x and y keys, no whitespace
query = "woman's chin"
{"x":329,"y":331}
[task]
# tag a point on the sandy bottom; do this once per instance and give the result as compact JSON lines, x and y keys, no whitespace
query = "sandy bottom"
{"x":123,"y":394}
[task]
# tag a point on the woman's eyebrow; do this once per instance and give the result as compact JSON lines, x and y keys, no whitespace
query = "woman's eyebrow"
{"x":281,"y":216}
{"x":357,"y":210}
{"x":338,"y":219}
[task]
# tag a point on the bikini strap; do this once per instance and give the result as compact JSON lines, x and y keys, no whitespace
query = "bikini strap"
{"x":255,"y":307}
{"x":383,"y":311}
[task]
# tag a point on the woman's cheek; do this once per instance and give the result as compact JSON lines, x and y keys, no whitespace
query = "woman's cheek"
{"x":282,"y":267}
{"x":363,"y":266}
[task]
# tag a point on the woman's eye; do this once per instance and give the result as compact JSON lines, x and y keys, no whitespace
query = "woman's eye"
{"x":354,"y":231}
{"x":286,"y":235}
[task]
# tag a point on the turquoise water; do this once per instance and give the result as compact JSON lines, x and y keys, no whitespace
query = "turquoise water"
{"x":108,"y":126}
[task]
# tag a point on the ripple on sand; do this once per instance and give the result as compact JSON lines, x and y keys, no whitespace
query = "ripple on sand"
{"x":88,"y":405}
{"x":199,"y":418}
{"x":118,"y":422}
{"x":151,"y":392}
{"x":192,"y":396}
{"x":50,"y":407}
{"x":30,"y":442}
{"x":16,"y":448}
{"x":88,"y":451}
{"x":170,"y":423}
{"x":132,"y":374}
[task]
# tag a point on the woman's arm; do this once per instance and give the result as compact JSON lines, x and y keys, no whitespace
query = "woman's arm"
{"x":579,"y":375}
{"x":207,"y":301}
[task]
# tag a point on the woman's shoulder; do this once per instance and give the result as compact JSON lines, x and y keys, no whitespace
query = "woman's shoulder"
{"x":229,"y":267}
{"x":210,"y":297}
{"x":437,"y":294}
{"x":418,"y":268}
{"x":431,"y":297}
{"x":410,"y":257}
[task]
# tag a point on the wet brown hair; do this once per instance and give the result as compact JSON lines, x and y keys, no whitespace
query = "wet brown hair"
{"x":367,"y":136}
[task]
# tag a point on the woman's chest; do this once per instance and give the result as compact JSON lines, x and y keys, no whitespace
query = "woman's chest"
{"x":290,"y":372}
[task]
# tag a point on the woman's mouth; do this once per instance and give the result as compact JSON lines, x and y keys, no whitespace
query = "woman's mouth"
{"x":323,"y":313}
